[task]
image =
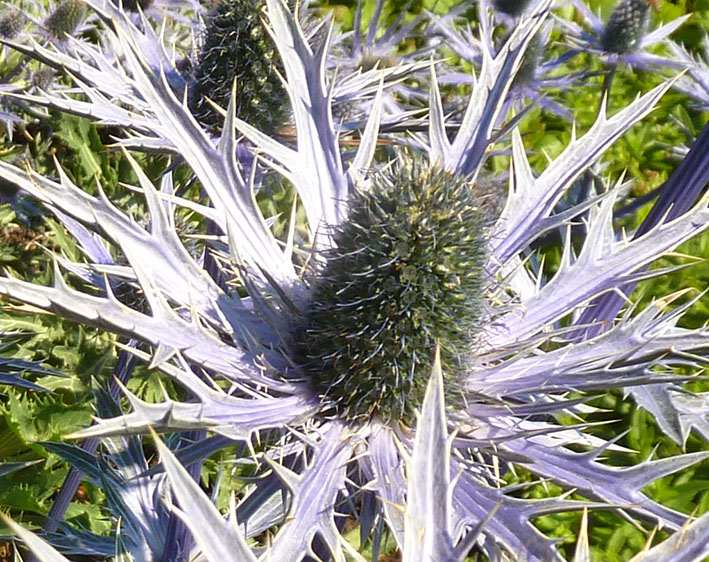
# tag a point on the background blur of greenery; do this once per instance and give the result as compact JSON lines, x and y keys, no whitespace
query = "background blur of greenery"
{"x":28,"y":417}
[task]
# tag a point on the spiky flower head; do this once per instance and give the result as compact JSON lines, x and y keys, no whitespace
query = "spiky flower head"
{"x":511,"y":7}
{"x":42,"y":77}
{"x":404,"y":276}
{"x":237,"y":46}
{"x":532,"y":57}
{"x":626,"y":25}
{"x":134,"y":5}
{"x":65,"y":18}
{"x":11,"y":23}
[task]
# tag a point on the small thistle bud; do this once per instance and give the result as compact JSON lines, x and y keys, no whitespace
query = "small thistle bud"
{"x":510,"y":7}
{"x":532,"y":57}
{"x":626,"y":26}
{"x":236,"y":45}
{"x":406,"y":274}
{"x":65,"y":18}
{"x":11,"y":23}
{"x":42,"y":78}
{"x":133,"y":5}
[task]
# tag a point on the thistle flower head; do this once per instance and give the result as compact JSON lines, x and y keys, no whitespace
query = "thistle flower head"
{"x":65,"y":18}
{"x":237,"y":47}
{"x":626,"y":25}
{"x":510,"y":7}
{"x":42,"y":77}
{"x":134,"y":5}
{"x":405,"y":275}
{"x":11,"y":23}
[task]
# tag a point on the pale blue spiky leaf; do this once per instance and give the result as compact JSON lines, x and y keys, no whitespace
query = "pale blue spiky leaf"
{"x":218,"y":539}
{"x":39,"y":548}
{"x":510,"y":526}
{"x":318,"y":175}
{"x":219,"y":175}
{"x":317,"y":484}
{"x":602,"y":265}
{"x":174,"y":271}
{"x":196,"y":344}
{"x":621,"y":356}
{"x":498,"y":70}
{"x":531,"y":199}
{"x":10,"y":467}
{"x":368,"y":144}
{"x":389,"y":482}
{"x":675,"y":410}
{"x":616,"y":486}
{"x":689,"y":544}
{"x":427,"y":534}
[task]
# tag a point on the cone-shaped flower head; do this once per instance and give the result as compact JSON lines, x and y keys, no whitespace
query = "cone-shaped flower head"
{"x":511,"y":7}
{"x":134,"y":5}
{"x":398,"y":270}
{"x":405,"y":274}
{"x":11,"y":23}
{"x":626,"y":26}
{"x":237,"y":46}
{"x":65,"y":18}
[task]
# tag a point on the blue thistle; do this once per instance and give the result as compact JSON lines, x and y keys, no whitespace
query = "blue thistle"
{"x":411,"y":247}
{"x":237,"y":47}
{"x":510,"y":7}
{"x":65,"y":18}
{"x":626,"y":25}
{"x":405,"y":275}
{"x":11,"y":24}
{"x":134,"y":5}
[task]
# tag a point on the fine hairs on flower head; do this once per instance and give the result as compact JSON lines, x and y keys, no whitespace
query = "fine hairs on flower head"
{"x":11,"y":23}
{"x":626,"y":25}
{"x":405,"y":274}
{"x":236,"y":46}
{"x":65,"y":18}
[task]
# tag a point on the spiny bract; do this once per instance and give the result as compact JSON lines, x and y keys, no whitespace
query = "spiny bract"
{"x":626,"y":26}
{"x":404,"y":276}
{"x":237,"y":46}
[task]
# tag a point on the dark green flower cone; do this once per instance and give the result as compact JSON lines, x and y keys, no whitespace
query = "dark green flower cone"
{"x":406,"y":274}
{"x":11,"y":23}
{"x":510,"y":7}
{"x":65,"y":18}
{"x":237,"y":46}
{"x":532,"y":58}
{"x":626,"y":26}
{"x":134,"y":5}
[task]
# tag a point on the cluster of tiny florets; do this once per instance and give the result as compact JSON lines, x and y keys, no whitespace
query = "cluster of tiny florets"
{"x":65,"y":18}
{"x":405,"y":276}
{"x":237,"y":46}
{"x":11,"y":24}
{"x":528,"y":68}
{"x":42,"y":78}
{"x":511,"y":7}
{"x":626,"y":26}
{"x":134,"y":5}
